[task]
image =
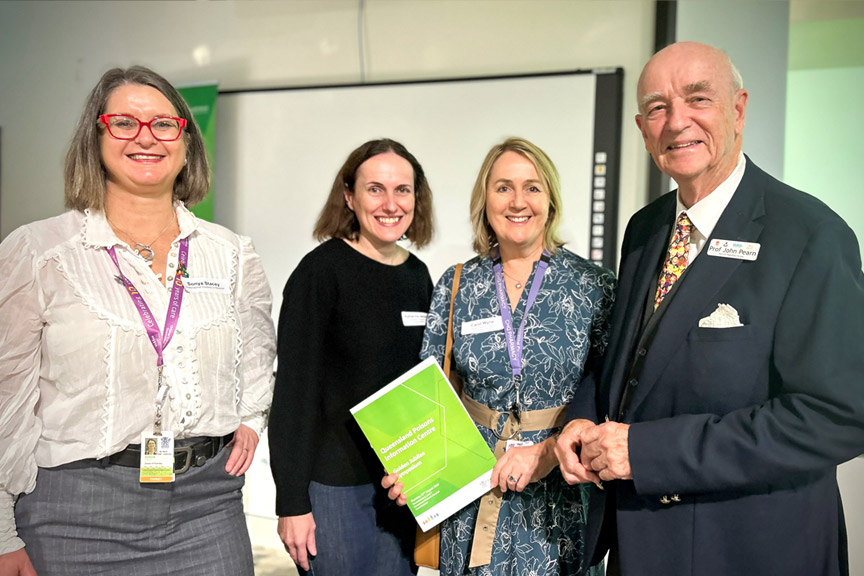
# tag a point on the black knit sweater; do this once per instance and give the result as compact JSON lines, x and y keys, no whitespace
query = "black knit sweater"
{"x":341,"y":338}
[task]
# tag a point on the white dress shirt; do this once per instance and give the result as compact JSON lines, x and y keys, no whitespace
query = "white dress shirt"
{"x":705,"y":213}
{"x":78,"y":370}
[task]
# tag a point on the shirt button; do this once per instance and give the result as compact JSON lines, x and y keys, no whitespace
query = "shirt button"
{"x":170,"y":278}
{"x":485,"y":528}
{"x":633,"y":382}
{"x":180,"y":364}
{"x":188,"y":396}
{"x":179,"y":349}
{"x":189,"y":413}
{"x":491,"y":500}
{"x":170,"y":264}
{"x":642,"y":352}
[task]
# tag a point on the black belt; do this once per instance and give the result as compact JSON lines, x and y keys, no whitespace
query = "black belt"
{"x":195,"y":454}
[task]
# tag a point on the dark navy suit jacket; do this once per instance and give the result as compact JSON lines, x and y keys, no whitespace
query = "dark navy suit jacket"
{"x":735,"y":432}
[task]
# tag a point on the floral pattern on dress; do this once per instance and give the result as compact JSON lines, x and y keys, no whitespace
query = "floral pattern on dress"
{"x":540,"y":531}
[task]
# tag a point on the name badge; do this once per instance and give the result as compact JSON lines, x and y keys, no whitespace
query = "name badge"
{"x":482,"y":326}
{"x":517,"y":444}
{"x":157,"y":457}
{"x":414,"y":318}
{"x":734,"y":249}
{"x":206,"y":285}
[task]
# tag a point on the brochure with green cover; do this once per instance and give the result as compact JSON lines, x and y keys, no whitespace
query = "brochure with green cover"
{"x":420,"y":430}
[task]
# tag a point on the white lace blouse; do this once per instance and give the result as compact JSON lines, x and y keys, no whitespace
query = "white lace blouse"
{"x":77,"y":371}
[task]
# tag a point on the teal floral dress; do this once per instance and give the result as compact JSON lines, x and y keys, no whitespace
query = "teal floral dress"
{"x":540,"y":530}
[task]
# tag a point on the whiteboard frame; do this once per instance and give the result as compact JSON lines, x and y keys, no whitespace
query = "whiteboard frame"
{"x":605,"y":149}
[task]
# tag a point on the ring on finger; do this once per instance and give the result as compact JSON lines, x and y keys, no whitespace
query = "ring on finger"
{"x":512,"y":480}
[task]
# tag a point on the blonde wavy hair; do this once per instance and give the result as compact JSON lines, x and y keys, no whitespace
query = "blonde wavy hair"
{"x":484,"y":236}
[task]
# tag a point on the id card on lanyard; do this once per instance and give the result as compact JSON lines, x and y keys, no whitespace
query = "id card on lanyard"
{"x":157,"y":448}
{"x":513,"y":338}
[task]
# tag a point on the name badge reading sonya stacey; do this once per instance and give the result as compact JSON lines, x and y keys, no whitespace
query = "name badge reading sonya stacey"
{"x":734,"y":249}
{"x":414,"y":318}
{"x":206,"y":285}
{"x":482,"y":326}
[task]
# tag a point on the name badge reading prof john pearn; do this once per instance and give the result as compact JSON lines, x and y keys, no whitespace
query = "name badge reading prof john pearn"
{"x":734,"y":249}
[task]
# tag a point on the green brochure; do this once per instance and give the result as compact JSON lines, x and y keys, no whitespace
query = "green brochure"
{"x":420,"y":430}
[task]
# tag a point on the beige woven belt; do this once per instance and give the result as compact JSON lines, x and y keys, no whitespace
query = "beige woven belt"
{"x":490,"y":503}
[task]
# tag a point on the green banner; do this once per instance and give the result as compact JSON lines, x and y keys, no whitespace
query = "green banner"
{"x":201,"y":99}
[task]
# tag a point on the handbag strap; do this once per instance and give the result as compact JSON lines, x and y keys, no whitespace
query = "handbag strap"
{"x":427,"y":546}
{"x":448,"y":347}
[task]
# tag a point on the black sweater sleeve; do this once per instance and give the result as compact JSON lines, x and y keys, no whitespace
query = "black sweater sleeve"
{"x":293,"y":430}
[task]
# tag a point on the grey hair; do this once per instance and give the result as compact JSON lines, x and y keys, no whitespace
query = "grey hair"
{"x":737,"y":80}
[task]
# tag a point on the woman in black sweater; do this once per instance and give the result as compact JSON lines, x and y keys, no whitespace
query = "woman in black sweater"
{"x":352,"y":320}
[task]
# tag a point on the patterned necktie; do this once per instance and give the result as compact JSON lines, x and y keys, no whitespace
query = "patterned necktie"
{"x":676,"y":258}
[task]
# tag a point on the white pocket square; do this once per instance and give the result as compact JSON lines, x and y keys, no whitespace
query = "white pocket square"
{"x":724,"y":316}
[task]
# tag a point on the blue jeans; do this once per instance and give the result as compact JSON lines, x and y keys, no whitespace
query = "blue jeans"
{"x":358,"y":530}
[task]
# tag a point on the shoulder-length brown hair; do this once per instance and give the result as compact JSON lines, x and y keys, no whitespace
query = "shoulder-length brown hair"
{"x":484,"y":237}
{"x":84,"y":174}
{"x":338,"y":221}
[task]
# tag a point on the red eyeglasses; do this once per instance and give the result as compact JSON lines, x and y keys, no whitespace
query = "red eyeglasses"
{"x":125,"y":127}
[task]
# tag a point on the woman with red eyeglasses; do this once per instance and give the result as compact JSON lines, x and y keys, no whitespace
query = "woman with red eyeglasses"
{"x":126,"y":322}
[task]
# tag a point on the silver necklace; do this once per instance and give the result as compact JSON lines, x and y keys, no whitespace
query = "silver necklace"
{"x":143,"y":251}
{"x":516,"y":280}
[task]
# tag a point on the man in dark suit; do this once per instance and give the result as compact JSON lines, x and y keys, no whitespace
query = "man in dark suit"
{"x":733,"y":382}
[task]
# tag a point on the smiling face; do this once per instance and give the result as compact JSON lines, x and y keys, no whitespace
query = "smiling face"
{"x":144,"y":164}
{"x":517,"y":204}
{"x":383,"y":199}
{"x":691,"y":116}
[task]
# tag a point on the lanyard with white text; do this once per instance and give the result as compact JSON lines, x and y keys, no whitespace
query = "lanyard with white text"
{"x":514,"y":340}
{"x":159,"y":341}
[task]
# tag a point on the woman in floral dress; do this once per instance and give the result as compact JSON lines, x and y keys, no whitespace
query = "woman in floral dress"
{"x":557,"y":305}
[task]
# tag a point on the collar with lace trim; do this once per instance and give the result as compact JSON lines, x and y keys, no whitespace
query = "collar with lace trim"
{"x":97,"y":232}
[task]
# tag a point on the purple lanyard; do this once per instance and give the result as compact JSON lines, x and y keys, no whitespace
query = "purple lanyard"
{"x":514,"y":340}
{"x":159,"y":341}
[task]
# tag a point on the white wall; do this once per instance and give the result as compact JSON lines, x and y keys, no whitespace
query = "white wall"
{"x":850,"y":477}
{"x":823,"y":156}
{"x":756,"y":36}
{"x":52,"y":53}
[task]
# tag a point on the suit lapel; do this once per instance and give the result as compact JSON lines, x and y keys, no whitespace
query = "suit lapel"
{"x":643,"y":264}
{"x":703,"y":280}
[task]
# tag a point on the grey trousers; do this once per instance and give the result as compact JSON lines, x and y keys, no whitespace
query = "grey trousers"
{"x":83,"y":519}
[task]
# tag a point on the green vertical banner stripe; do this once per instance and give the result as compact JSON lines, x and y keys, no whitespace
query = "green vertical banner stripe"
{"x":201,"y":99}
